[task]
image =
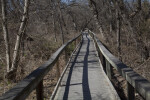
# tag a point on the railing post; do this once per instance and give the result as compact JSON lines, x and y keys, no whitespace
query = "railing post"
{"x":39,"y":91}
{"x":58,"y":69}
{"x":66,"y":55}
{"x":103,"y":61}
{"x":108,"y":69}
{"x":130,"y":92}
{"x":93,"y":36}
{"x":75,"y":43}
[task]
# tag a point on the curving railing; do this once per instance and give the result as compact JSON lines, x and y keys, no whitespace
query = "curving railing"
{"x":35,"y":79}
{"x":134,"y":80}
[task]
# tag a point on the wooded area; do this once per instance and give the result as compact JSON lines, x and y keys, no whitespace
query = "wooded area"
{"x":31,"y":30}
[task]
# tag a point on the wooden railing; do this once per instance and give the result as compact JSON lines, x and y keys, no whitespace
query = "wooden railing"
{"x":35,"y":79}
{"x":134,"y":80}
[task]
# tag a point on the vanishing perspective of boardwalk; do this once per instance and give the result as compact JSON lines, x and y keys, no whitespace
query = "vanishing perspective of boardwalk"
{"x":87,"y":75}
{"x":85,"y":78}
{"x":74,"y":49}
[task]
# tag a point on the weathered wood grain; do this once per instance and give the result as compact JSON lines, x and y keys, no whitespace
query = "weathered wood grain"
{"x":28,"y":84}
{"x":141,"y":85}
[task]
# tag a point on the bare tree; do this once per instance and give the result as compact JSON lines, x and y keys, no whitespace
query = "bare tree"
{"x":73,"y":20}
{"x":5,"y":31}
{"x":19,"y":35}
{"x":60,"y":19}
{"x":93,"y":7}
{"x":118,"y":32}
{"x":54,"y":24}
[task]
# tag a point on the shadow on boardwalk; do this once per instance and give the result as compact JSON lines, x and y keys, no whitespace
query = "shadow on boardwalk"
{"x":85,"y":84}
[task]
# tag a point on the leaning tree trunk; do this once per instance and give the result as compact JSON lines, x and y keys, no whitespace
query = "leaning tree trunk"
{"x":20,"y":33}
{"x":92,"y":5}
{"x":5,"y":31}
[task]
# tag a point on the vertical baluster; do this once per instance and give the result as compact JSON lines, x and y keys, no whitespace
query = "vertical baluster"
{"x":130,"y":92}
{"x":39,"y":91}
{"x":109,"y":70}
{"x":93,"y":36}
{"x":58,"y":69}
{"x":103,"y":62}
{"x":66,"y":55}
{"x":75,"y":43}
{"x":102,"y":59}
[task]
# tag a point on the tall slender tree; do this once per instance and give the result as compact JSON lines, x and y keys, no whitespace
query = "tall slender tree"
{"x":19,"y":35}
{"x":5,"y":31}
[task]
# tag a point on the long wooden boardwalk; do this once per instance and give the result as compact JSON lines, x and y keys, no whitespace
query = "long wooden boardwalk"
{"x":85,"y":78}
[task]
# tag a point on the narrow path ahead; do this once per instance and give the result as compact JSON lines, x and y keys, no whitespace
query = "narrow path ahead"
{"x":85,"y":78}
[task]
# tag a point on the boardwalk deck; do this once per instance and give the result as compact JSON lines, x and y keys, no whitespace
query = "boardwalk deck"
{"x":85,"y":78}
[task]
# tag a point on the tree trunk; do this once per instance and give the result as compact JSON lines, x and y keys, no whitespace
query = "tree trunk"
{"x":60,"y":21}
{"x":110,"y":19}
{"x":92,"y":5}
{"x":61,"y":29}
{"x":20,"y":33}
{"x":74,"y":24}
{"x":118,"y":33}
{"x":127,"y":18}
{"x":54,"y":26}
{"x":64,"y":24}
{"x":59,"y":16}
{"x":5,"y":31}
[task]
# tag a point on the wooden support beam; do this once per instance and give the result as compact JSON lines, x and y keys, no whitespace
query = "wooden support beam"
{"x":75,"y":43}
{"x":130,"y":92}
{"x":39,"y":91}
{"x":58,"y":69}
{"x":103,"y":60}
{"x":109,"y":70}
{"x":66,"y":55}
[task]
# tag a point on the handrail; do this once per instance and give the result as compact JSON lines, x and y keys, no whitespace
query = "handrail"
{"x":134,"y":80}
{"x":35,"y":79}
{"x":64,"y":71}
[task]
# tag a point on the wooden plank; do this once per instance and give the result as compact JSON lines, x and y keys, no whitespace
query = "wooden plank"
{"x":141,"y":85}
{"x":28,"y":84}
